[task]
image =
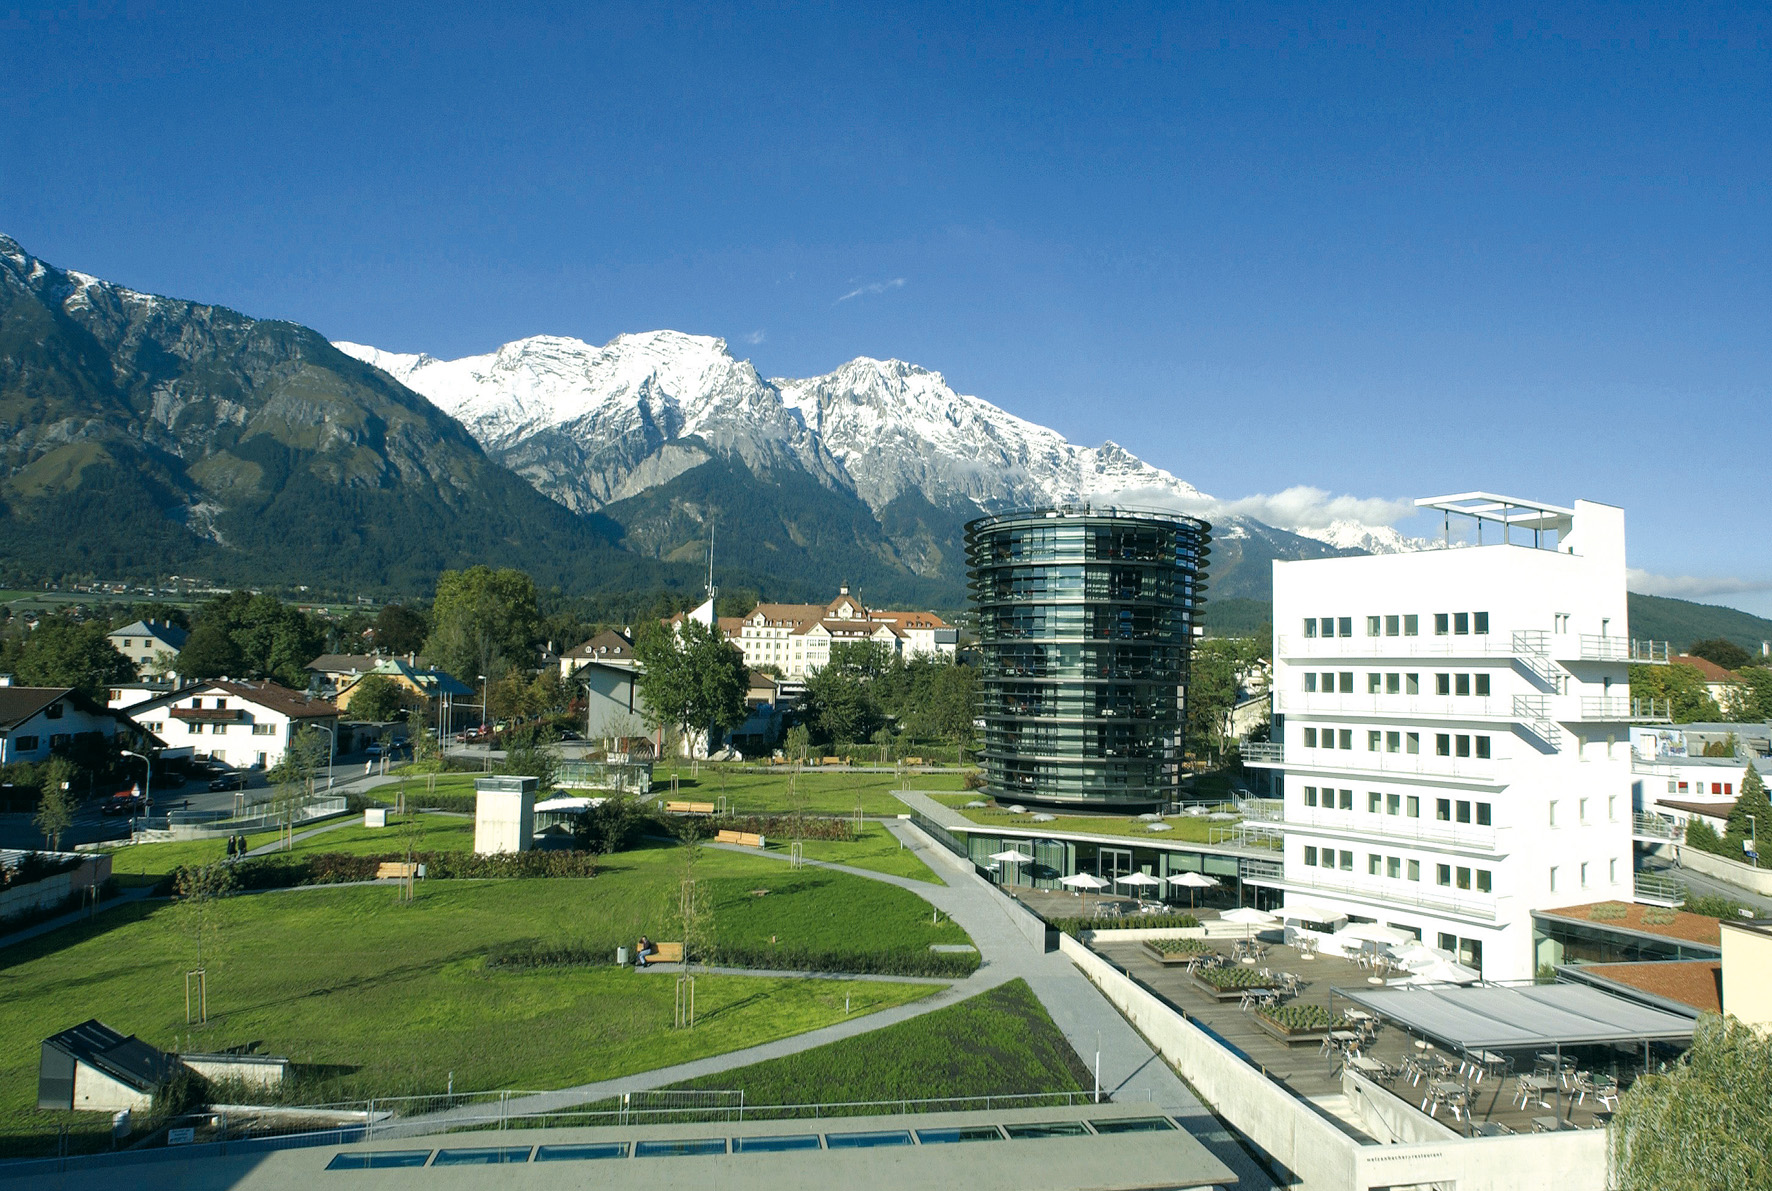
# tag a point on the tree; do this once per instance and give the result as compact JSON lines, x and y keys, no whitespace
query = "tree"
{"x":55,"y":811}
{"x":195,"y":915}
{"x":1752,"y":815}
{"x":798,"y":742}
{"x":427,"y":750}
{"x":612,"y":825}
{"x":1683,"y":687}
{"x":532,"y":759}
{"x":482,"y":621}
{"x":399,"y":629}
{"x":1702,"y":1125}
{"x":66,"y":653}
{"x":241,"y":635}
{"x":840,"y":705}
{"x":1756,"y":683}
{"x":1722,"y":651}
{"x":690,"y":679}
{"x":1214,"y":681}
{"x":376,"y":698}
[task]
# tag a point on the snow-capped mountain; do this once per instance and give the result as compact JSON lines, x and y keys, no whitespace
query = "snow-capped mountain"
{"x":1367,"y":539}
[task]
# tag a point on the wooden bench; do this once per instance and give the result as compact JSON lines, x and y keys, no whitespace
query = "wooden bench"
{"x":389,"y":870}
{"x":913,"y":760}
{"x":746,"y":838}
{"x":831,"y":761}
{"x":690,"y":808}
{"x":667,"y":953}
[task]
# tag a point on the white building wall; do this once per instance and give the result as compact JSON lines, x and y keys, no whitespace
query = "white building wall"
{"x":504,"y":820}
{"x":1558,"y":810}
{"x":95,"y":1091}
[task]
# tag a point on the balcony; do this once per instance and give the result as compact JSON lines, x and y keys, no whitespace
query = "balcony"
{"x":1616,"y":709}
{"x":1384,"y":892}
{"x":1653,"y":829}
{"x":1469,"y":708}
{"x":1467,"y":645}
{"x":1263,"y":754}
{"x":1417,"y":766}
{"x":1436,"y":833}
{"x":1653,"y":890}
{"x":1589,"y":647}
{"x":1261,"y":872}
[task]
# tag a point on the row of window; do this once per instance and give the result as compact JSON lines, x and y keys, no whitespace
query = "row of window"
{"x":30,"y":744}
{"x":1457,"y":624}
{"x":1446,"y":810}
{"x":1446,"y":744}
{"x":1331,"y":682}
{"x":1722,"y":789}
{"x":1583,"y":871}
{"x":1581,"y":813}
{"x":1400,"y":869}
{"x":196,"y":729}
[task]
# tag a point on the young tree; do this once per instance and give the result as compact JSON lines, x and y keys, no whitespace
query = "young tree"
{"x":196,"y":916}
{"x":1705,"y":1123}
{"x":690,"y":679}
{"x":1751,"y":818}
{"x":55,"y":812}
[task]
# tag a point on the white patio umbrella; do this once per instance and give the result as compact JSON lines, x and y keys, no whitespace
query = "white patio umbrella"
{"x":1010,"y":856}
{"x":1192,"y":882}
{"x":1444,"y":971}
{"x":1083,"y":882}
{"x":1139,"y":880}
{"x":1372,"y":932}
{"x":1248,"y":916}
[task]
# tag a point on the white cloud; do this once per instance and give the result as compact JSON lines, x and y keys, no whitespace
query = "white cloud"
{"x":1304,"y":507}
{"x":873,"y":287}
{"x":1691,"y":587}
{"x":755,"y":337}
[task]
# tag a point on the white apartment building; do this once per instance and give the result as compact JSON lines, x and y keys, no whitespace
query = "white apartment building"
{"x":1452,"y":728}
{"x":245,"y":724}
{"x":798,"y":637}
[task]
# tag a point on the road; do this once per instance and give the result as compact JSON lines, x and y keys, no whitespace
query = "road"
{"x":1700,"y":884}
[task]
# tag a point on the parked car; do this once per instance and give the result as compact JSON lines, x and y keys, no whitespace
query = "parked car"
{"x":124,"y":802}
{"x":228,"y":781}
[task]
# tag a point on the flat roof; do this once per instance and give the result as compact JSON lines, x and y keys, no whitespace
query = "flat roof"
{"x":1105,"y":1146}
{"x":1500,"y":1017}
{"x":1696,"y":983}
{"x":1506,"y":510}
{"x":1643,"y":920}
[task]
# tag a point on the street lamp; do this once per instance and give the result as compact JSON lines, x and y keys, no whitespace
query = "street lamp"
{"x":482,"y":701}
{"x":147,"y":781}
{"x":331,"y":751}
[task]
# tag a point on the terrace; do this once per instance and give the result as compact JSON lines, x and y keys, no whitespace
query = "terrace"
{"x":1345,"y":1027}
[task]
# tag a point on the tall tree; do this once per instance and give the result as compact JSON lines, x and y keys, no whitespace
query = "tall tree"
{"x":55,"y":811}
{"x":376,"y":698}
{"x":690,"y":678}
{"x":67,"y":653}
{"x":1751,"y":817}
{"x":1722,"y":651}
{"x":1704,"y":1124}
{"x":483,"y":622}
{"x":399,"y":629}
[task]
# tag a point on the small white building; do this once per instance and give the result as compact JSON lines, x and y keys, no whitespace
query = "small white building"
{"x":93,"y":1068}
{"x":36,"y":720}
{"x":245,"y":724}
{"x":1452,"y":728}
{"x":504,"y":814}
{"x":151,"y":645}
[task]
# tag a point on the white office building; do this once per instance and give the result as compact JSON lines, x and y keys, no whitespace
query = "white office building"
{"x":1452,"y":728}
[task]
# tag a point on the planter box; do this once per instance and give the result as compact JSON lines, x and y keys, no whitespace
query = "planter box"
{"x":1168,"y":958}
{"x":1291,"y":1037}
{"x":1230,"y":994}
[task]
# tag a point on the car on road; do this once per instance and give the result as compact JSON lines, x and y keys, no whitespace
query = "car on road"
{"x":228,"y":781}
{"x":124,"y":802}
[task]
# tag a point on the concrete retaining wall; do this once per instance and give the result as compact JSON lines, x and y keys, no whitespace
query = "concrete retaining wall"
{"x":1754,"y":880}
{"x":53,"y":891}
{"x":1139,"y":936}
{"x":1317,"y":1152}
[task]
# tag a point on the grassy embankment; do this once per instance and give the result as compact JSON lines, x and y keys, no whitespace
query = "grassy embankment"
{"x":372,"y":997}
{"x":1194,"y":829}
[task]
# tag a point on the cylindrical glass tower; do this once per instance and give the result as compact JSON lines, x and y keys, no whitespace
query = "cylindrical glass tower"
{"x":1085,"y":622}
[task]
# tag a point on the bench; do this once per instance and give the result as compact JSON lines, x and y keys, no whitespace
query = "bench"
{"x":667,"y":953}
{"x":913,"y":760}
{"x":690,"y":808}
{"x":746,"y":838}
{"x":390,"y":870}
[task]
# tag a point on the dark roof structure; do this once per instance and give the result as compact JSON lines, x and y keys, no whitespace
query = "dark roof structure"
{"x":123,"y":1057}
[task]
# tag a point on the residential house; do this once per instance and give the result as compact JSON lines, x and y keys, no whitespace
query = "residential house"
{"x":331,"y":670}
{"x":1719,"y":683}
{"x":609,"y":647}
{"x":36,"y":721}
{"x":239,"y":723}
{"x":797,"y":638}
{"x":434,"y":690}
{"x":124,"y":695}
{"x":150,"y":644}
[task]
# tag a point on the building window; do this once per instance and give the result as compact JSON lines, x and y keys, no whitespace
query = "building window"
{"x":26,"y":744}
{"x":1464,"y":811}
{"x":1443,"y":809}
{"x":1483,"y":814}
{"x":1584,"y":874}
{"x":1393,"y":684}
{"x":1412,"y":743}
{"x":1347,"y":682}
{"x":1415,"y":870}
{"x":1581,"y":814}
{"x":1412,"y":684}
{"x":1372,"y":626}
{"x":1393,"y":742}
{"x":1483,"y":686}
{"x":1374,"y":800}
{"x":1373,"y":681}
{"x":1347,"y":800}
{"x":1443,"y":744}
{"x":1393,"y":867}
{"x":1310,"y":796}
{"x":1449,"y":943}
{"x":1390,"y":626}
{"x":1553,"y":878}
{"x":1328,"y":682}
{"x":1442,"y":684}
{"x":1347,"y":738}
{"x":1393,"y":804}
{"x":1612,"y":870}
{"x":1310,"y":682}
{"x":264,"y":729}
{"x":1310,"y":738}
{"x":1310,"y":626}
{"x":1464,"y":877}
{"x":1346,"y":626}
{"x":1461,"y":684}
{"x":1310,"y":855}
{"x":1328,"y":857}
{"x":1483,"y":747}
{"x":1461,"y":624}
{"x":1411,"y":626}
{"x":1374,"y":865}
{"x":1464,"y":745}
{"x":1347,"y":862}
{"x":1480,"y":623}
{"x":1372,"y":740}
{"x":1612,"y":808}
{"x":53,"y":712}
{"x":1442,"y":624}
{"x":1443,"y":874}
{"x":1553,"y":812}
{"x":1483,"y":881}
{"x":1412,"y":806}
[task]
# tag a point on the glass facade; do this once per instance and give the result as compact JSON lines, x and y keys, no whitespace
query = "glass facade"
{"x":1085,"y":621}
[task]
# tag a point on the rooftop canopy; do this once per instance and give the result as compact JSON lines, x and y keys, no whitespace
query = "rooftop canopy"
{"x":1494,"y":1017}
{"x":1507,"y":511}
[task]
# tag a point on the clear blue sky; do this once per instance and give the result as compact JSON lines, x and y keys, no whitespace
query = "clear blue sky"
{"x":1380,"y":254}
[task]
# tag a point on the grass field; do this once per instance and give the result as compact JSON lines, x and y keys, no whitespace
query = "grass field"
{"x":826,"y":793}
{"x":998,"y":1043}
{"x":878,"y":851}
{"x":145,"y":864}
{"x":1191,"y":828}
{"x":379,"y":998}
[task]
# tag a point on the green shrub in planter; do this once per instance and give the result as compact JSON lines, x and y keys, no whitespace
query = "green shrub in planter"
{"x":1225,"y":979}
{"x":1179,"y":946}
{"x":1299,"y":1019}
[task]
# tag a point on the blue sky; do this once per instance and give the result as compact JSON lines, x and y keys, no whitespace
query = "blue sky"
{"x":1376,"y":253}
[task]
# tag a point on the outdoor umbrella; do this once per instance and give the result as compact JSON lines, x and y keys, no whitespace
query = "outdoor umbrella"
{"x":1248,"y":916}
{"x":1084,"y":882}
{"x":1191,"y":882}
{"x":1372,"y":932}
{"x":1011,"y":857}
{"x":1444,"y":971}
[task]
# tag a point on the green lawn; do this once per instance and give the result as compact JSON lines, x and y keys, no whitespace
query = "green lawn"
{"x":145,"y":864}
{"x":877,"y":850}
{"x":825,"y":793}
{"x":1000,"y":1042}
{"x":385,"y":998}
{"x":1191,"y":828}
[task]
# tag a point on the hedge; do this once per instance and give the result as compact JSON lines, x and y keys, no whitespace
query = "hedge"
{"x":941,"y":964}
{"x":334,"y":868}
{"x":782,"y":827}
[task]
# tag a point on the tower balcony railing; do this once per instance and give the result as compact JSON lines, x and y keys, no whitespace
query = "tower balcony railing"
{"x":1618,"y":708}
{"x":1459,"y":645}
{"x":1383,"y":891}
{"x":1263,"y":752}
{"x":1656,"y":828}
{"x":1592,"y":647}
{"x":1470,"y":837}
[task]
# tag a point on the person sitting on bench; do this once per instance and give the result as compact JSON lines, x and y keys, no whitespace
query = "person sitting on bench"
{"x":642,"y":949}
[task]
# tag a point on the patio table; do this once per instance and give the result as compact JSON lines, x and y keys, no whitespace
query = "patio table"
{"x":1368,"y":1066}
{"x":1535,"y":1085}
